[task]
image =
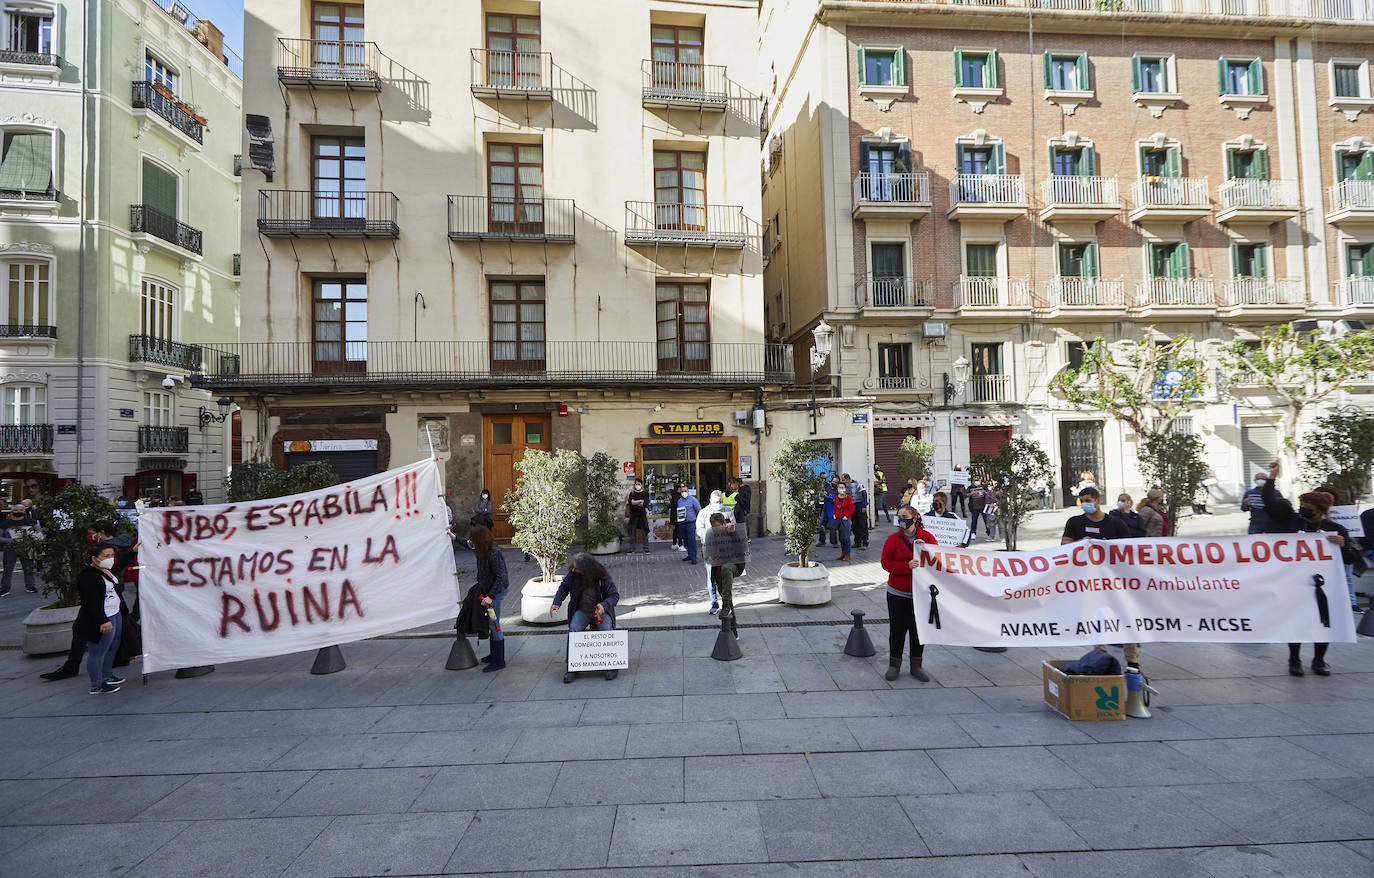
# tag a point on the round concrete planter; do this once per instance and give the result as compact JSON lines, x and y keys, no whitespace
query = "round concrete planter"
{"x":49,"y":631}
{"x":535,"y":599}
{"x":610,"y":548}
{"x":803,"y":586}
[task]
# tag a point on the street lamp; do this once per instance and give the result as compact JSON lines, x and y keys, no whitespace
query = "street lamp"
{"x":956,"y":387}
{"x":208,"y":417}
{"x":823,"y":335}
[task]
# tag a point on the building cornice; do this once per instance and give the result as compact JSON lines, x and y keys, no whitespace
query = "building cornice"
{"x":154,"y":21}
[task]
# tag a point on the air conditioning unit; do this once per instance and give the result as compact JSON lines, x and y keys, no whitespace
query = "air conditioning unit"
{"x":934,"y":331}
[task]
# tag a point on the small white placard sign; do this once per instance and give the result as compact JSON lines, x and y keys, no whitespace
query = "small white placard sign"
{"x":598,"y":650}
{"x":958,"y":477}
{"x":1350,"y":517}
{"x":947,"y":531}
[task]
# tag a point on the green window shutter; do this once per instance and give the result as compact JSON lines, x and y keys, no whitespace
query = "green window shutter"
{"x":159,"y":189}
{"x":1235,"y":260}
{"x":1083,"y":72}
{"x":1259,"y":168}
{"x":1065,"y":263}
{"x":863,"y":64}
{"x":958,"y":68}
{"x":1090,"y":260}
{"x":903,"y":164}
{"x":1087,"y":164}
{"x":1180,"y":263}
{"x":1048,"y":63}
{"x":999,"y":159}
{"x":1367,"y":262}
{"x":1230,"y":164}
{"x":26,"y":161}
{"x":899,"y":67}
{"x":1365,"y":169}
{"x":1173,"y":162}
{"x":1135,"y":74}
{"x":863,"y":157}
{"x":1221,"y":76}
{"x":990,"y":78}
{"x":1261,"y":261}
{"x":1256,"y":77}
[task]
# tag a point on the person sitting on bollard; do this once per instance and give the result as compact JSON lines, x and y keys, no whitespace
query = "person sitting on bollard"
{"x":725,"y":553}
{"x":594,"y":597}
{"x":899,"y":559}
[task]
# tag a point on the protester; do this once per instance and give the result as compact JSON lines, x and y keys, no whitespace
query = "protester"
{"x":1128,"y":516}
{"x":828,"y":513}
{"x":125,"y":554}
{"x":899,"y":559}
{"x":725,"y":554}
{"x":637,"y":515}
{"x":880,"y":495}
{"x":481,"y":511}
{"x":703,"y":523}
{"x":958,"y":493}
{"x":492,"y":585}
{"x":939,"y":506}
{"x":1252,"y":501}
{"x":859,"y":494}
{"x":909,"y":495}
{"x":594,"y":597}
{"x":687,"y":510}
{"x":195,"y":498}
{"x":1085,"y":480}
{"x":1156,"y":523}
{"x":739,"y":502}
{"x":843,"y":505}
{"x":1093,"y":524}
{"x":992,"y":524}
{"x":977,"y":499}
{"x":97,"y":620}
{"x":17,"y":524}
{"x":1047,"y":495}
{"x":922,"y":498}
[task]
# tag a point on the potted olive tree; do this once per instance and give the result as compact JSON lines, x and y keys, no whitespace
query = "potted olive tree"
{"x":599,"y":484}
{"x":800,"y":467}
{"x":543,"y":511}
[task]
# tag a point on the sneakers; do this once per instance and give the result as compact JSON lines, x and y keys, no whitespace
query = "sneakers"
{"x":715,"y":608}
{"x":114,"y":681}
{"x":104,"y":689}
{"x":4,"y":593}
{"x":31,"y":589}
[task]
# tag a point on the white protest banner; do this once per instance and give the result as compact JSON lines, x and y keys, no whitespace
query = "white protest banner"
{"x":268,"y":577}
{"x":1241,"y":589}
{"x":598,"y":650}
{"x":947,"y":531}
{"x":958,"y":477}
{"x":1349,"y":518}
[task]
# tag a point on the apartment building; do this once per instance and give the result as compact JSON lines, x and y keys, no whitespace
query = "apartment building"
{"x":532,"y":225}
{"x":971,"y":193}
{"x":118,"y":246}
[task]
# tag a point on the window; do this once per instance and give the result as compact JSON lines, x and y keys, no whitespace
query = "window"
{"x":26,"y":404}
{"x":680,"y":190}
{"x":339,"y":329}
{"x":1170,"y":260}
{"x":159,"y":192}
{"x":1356,"y":165}
{"x":1077,"y":162}
{"x":1350,"y":79}
{"x":338,"y":178}
{"x":1165,"y":162}
{"x":1151,"y":75}
{"x":980,"y":160}
{"x":1179,"y":425}
{"x":880,"y":163}
{"x":1250,"y":260}
{"x":1240,"y":77}
{"x":513,"y":51}
{"x":157,"y":408}
{"x":155,"y":71}
{"x":517,"y":325}
{"x":26,"y":164}
{"x":975,"y":68}
{"x":29,"y":31}
{"x":894,"y":366}
{"x":682,"y":312}
{"x":889,"y":260}
{"x":986,"y":359}
{"x":1247,"y":164}
{"x":28,"y":294}
{"x":1074,"y":352}
{"x":677,"y":53}
{"x":157,"y":310}
{"x":980,"y":260}
{"x":515,"y":183}
{"x":1078,"y":260}
{"x":1066,"y":72}
{"x":881,"y":67}
{"x":337,"y":30}
{"x":1359,"y":260}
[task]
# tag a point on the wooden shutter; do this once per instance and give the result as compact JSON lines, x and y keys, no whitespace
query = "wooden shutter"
{"x":990,"y":73}
{"x":1047,"y":62}
{"x":1367,"y":261}
{"x":1231,"y":164}
{"x":1082,"y":64}
{"x":1259,"y":167}
{"x":1221,"y":77}
{"x":863,"y":65}
{"x":1173,"y":162}
{"x":1255,"y":75}
{"x":903,"y":164}
{"x":1136,"y":76}
{"x":899,"y":67}
{"x":1090,"y":259}
{"x":159,"y":189}
{"x":999,"y":158}
{"x":958,"y":68}
{"x":1087,"y":163}
{"x":1365,"y":169}
{"x":1180,"y":263}
{"x":863,"y":157}
{"x":1235,"y":260}
{"x":1261,"y":267}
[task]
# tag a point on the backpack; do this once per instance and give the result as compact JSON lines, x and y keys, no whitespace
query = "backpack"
{"x":1096,"y":663}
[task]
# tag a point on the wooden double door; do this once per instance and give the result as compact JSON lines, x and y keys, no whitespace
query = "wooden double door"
{"x":505,"y":439}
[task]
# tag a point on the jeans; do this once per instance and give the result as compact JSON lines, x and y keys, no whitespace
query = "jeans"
{"x":10,"y":557}
{"x":1350,"y":584}
{"x":845,"y":527}
{"x":496,"y":632}
{"x":1255,"y":528}
{"x":100,"y":655}
{"x":580,"y":621}
{"x":689,"y":539}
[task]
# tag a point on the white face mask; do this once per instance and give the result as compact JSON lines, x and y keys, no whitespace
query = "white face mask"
{"x":107,"y":563}
{"x":1088,"y":506}
{"x":1122,"y":504}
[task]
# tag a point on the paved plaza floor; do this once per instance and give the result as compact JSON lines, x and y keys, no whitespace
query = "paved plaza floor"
{"x":795,"y":760}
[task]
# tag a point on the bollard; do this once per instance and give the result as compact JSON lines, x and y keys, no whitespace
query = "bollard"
{"x":727,"y":645}
{"x":1367,"y":622}
{"x":328,"y":660}
{"x":195,"y":671}
{"x":991,"y":648}
{"x":461,"y":657}
{"x":859,"y":645}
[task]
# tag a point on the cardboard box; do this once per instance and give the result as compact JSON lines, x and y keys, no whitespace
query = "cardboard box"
{"x":1084,"y":698}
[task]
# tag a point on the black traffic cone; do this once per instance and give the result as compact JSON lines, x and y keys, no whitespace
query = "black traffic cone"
{"x":461,"y":657}
{"x":727,"y":644}
{"x":195,"y":671}
{"x":329,"y":660}
{"x":1367,"y":622}
{"x":859,"y":645}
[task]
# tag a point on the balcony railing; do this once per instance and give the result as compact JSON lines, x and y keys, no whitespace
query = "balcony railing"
{"x":47,"y":194}
{"x":893,"y":188}
{"x":302,"y":213}
{"x":989,"y":388}
{"x":1329,"y":10}
{"x":501,"y":72}
{"x":150,"y":221}
{"x":148,"y":97}
{"x":471,"y":363}
{"x":1171,"y":192}
{"x":1243,"y":291}
{"x":707,"y":225}
{"x":992,"y":292}
{"x":1085,"y":292}
{"x":891,"y":292}
{"x":682,"y":83}
{"x":896,"y":382}
{"x":1356,"y":291}
{"x":1258,"y":194}
{"x":1352,"y":195}
{"x":476,"y":217}
{"x":26,"y":439}
{"x":328,"y":63}
{"x":987,"y":189}
{"x":163,"y":440}
{"x":1196,"y":292}
{"x":1065,"y":189}
{"x":37,"y":59}
{"x":150,"y":349}
{"x":15,"y":330}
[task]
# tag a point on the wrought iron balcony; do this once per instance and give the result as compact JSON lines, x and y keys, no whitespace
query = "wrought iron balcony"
{"x":149,"y":96}
{"x":26,"y":439}
{"x":150,"y":349}
{"x":482,"y":364}
{"x":1259,"y":201}
{"x":15,"y":330}
{"x":979,"y":292}
{"x":693,"y":225}
{"x":1262,"y":292}
{"x":1177,"y":292}
{"x":896,"y":382}
{"x":163,"y":440}
{"x":685,"y":84}
{"x":36,"y":59}
{"x":898,"y":196}
{"x":1070,"y":197}
{"x":1085,"y":292}
{"x":1351,"y":201}
{"x":1355,"y":291}
{"x":343,"y":64}
{"x":987,"y":196}
{"x":477,"y":217}
{"x":150,"y":221}
{"x":872,"y":291}
{"x":300,"y":213}
{"x":989,"y":388}
{"x":505,"y":74}
{"x":46,"y":195}
{"x":1170,"y":199}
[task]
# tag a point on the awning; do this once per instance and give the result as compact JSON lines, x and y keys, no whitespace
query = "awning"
{"x":890,"y":420}
{"x":987,"y":420}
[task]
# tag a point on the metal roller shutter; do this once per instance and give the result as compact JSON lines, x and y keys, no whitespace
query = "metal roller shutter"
{"x":1259,"y":447}
{"x":986,"y":440}
{"x":886,"y":441}
{"x":347,"y":465}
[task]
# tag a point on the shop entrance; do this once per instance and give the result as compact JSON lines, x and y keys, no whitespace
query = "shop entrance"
{"x":1080,"y":451}
{"x":664,"y":465}
{"x":505,"y":439}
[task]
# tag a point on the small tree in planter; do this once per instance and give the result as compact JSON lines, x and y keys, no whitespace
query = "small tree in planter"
{"x":1019,"y":468}
{"x":1339,"y":451}
{"x":543,"y":511}
{"x":1173,"y":463}
{"x":59,"y":551}
{"x":914,"y":457}
{"x":599,"y":483}
{"x":799,"y":467}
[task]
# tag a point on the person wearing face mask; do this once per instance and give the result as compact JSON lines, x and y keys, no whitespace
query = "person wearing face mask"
{"x":1152,"y":515}
{"x":637,"y":515}
{"x":922,"y":498}
{"x":1253,"y":502}
{"x":939,"y":506}
{"x":899,"y":559}
{"x":844,"y":519}
{"x":15,"y":525}
{"x":97,"y":620}
{"x":687,"y":510}
{"x":1094,"y":524}
{"x":702,"y":525}
{"x":1128,"y":516}
{"x":481,"y":511}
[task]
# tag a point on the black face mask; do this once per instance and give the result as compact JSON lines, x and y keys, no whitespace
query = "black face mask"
{"x":1309,"y":514}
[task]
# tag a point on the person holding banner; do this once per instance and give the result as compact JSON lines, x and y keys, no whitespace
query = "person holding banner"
{"x":899,"y":559}
{"x":1094,"y":524}
{"x":594,"y":597}
{"x":97,"y":621}
{"x":492,"y":584}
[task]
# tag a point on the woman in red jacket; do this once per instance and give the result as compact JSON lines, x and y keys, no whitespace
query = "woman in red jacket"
{"x":844,"y":520}
{"x":898,"y":554}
